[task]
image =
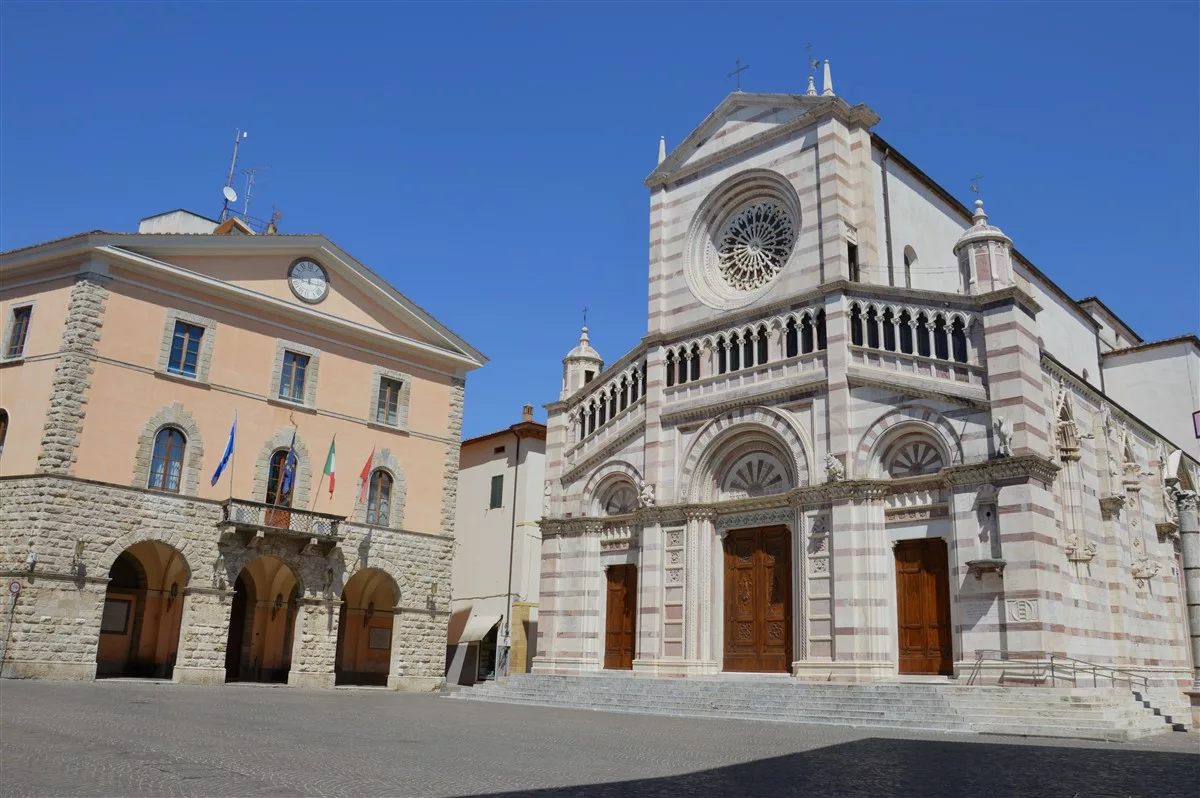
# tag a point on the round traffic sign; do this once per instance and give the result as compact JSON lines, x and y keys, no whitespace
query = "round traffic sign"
{"x":14,"y":587}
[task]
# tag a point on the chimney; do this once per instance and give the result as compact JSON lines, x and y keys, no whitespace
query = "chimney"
{"x":527,"y":413}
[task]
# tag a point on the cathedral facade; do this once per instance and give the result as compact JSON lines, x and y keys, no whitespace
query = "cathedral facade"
{"x":862,"y":438}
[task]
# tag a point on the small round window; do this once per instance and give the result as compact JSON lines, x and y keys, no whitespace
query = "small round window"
{"x":755,"y":245}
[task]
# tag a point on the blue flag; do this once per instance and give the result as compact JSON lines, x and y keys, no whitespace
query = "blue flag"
{"x":228,"y":451}
{"x":289,"y":468}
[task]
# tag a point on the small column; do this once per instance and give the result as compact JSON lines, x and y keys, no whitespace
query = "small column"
{"x":203,"y":636}
{"x":1189,"y":539}
{"x":314,"y":642}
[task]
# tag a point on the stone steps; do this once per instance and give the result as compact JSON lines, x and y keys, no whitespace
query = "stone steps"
{"x":1090,"y":713}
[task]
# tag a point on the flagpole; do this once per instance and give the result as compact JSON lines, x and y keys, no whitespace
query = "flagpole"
{"x":233,"y":455}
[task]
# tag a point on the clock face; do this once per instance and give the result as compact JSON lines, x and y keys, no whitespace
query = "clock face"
{"x":308,"y":280}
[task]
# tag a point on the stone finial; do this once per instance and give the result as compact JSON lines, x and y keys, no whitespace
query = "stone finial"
{"x":812,"y":88}
{"x":662,"y":148}
{"x":980,"y":217}
{"x":828,"y":92}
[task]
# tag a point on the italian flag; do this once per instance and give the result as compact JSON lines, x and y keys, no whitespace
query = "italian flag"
{"x":364,"y":478}
{"x":331,"y":466}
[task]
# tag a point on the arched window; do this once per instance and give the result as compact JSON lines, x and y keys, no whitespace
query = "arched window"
{"x":695,"y":362}
{"x":922,"y":335}
{"x":166,"y":463}
{"x":275,"y":492}
{"x":379,"y":498}
{"x":624,"y":392}
{"x":856,"y":326}
{"x":735,"y":353}
{"x":791,"y":341}
{"x":582,"y":425}
{"x":670,"y":368}
{"x":806,"y":334}
{"x":941,"y":345}
{"x":747,"y":350}
{"x":821,"y":329}
{"x":906,"y":333}
{"x":591,"y":418}
{"x":762,"y":345}
{"x":722,"y":356}
{"x":958,"y":341}
{"x":873,"y":328}
{"x":612,"y":402}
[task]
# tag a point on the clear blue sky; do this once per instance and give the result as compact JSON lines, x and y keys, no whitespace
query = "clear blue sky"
{"x":488,"y":159}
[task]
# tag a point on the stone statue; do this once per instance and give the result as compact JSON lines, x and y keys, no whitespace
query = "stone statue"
{"x":546,"y":498}
{"x":834,"y":471}
{"x":646,"y":494}
{"x":1004,"y":436}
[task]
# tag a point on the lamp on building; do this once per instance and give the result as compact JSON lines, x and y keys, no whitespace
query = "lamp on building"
{"x":77,"y":559}
{"x":219,"y":569}
{"x":277,"y":606}
{"x":173,"y":595}
{"x":31,"y":557}
{"x":370,"y":613}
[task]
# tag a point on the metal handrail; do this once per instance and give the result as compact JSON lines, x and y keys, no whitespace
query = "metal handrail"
{"x":1047,"y":665}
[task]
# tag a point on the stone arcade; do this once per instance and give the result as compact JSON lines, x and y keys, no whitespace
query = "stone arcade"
{"x":125,"y":359}
{"x":863,"y":438}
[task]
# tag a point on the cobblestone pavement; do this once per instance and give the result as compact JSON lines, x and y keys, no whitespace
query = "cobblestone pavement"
{"x":151,"y":739}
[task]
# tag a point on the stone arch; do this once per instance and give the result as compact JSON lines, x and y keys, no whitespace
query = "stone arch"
{"x":313,"y":574}
{"x":386,"y":461}
{"x":366,"y":622}
{"x":724,"y":437}
{"x":262,"y":466}
{"x":188,"y":552}
{"x":919,"y":416}
{"x":173,"y":415}
{"x":908,"y":449}
{"x":602,"y":480}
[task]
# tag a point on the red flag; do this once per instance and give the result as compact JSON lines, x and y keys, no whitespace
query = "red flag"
{"x":365,"y":478}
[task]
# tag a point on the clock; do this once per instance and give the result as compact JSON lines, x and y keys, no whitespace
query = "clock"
{"x":308,"y":280}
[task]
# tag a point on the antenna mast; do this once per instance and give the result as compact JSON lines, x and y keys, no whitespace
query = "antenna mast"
{"x":249,"y":173}
{"x":229,"y":193}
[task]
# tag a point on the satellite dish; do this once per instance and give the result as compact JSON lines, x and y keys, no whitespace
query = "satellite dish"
{"x":230,"y":194}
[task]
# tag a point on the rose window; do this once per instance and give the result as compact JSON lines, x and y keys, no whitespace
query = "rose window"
{"x":755,"y":245}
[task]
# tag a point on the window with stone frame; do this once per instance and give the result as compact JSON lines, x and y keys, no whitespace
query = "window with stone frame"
{"x":387,"y":406}
{"x":292,"y":376}
{"x":18,"y":331}
{"x":166,"y":462}
{"x":185,"y":349}
{"x":275,"y":493}
{"x":379,"y":498}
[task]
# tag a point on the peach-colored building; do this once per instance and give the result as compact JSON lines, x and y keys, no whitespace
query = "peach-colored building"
{"x":126,"y":358}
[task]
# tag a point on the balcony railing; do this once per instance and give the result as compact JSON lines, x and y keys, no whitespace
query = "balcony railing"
{"x":259,"y":517}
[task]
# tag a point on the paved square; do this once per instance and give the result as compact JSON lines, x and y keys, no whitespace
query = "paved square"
{"x":148,"y":739}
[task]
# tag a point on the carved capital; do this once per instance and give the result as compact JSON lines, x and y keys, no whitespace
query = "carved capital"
{"x":1186,"y":501}
{"x":1110,"y":507}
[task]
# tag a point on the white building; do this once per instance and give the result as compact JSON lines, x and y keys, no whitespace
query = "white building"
{"x":497,"y":551}
{"x":863,"y":436}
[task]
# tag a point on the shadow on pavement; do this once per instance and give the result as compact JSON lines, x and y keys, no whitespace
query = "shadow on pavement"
{"x":878,"y":767}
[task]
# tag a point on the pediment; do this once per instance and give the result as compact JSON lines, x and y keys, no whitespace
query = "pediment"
{"x":744,"y":120}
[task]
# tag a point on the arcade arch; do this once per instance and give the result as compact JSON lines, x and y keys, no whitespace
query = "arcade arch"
{"x":365,"y":626}
{"x":262,"y":621}
{"x":143,"y":607}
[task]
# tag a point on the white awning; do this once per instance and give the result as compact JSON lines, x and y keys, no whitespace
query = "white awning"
{"x":478,"y":627}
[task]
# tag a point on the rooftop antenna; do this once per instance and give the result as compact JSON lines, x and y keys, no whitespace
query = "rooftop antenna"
{"x":812,"y":62}
{"x":228,"y":192}
{"x":249,"y":173}
{"x":974,"y":184}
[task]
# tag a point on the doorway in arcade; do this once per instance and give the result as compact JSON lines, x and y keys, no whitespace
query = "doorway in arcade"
{"x":262,"y":622}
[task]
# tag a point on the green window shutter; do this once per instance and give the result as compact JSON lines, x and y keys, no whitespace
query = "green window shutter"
{"x":497,"y":491}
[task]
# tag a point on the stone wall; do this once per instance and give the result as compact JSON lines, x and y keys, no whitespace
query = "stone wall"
{"x":57,"y":619}
{"x":454,"y":433}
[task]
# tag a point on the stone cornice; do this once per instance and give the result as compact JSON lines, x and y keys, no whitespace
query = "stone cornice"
{"x":1001,"y":469}
{"x":941,"y":390}
{"x":716,"y":405}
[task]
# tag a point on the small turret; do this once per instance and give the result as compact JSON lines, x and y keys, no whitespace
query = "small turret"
{"x":984,"y":256}
{"x":580,"y":366}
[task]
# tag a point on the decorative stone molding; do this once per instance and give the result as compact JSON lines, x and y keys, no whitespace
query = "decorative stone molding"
{"x":72,"y":375}
{"x":1110,"y":507}
{"x":834,"y":470}
{"x":1022,"y":610}
{"x":1021,"y":467}
{"x":619,"y":538}
{"x":204,"y":358}
{"x":262,"y":467}
{"x":386,"y":461}
{"x":986,"y":566}
{"x":1079,"y":552}
{"x":785,"y":516}
{"x":1144,"y":570}
{"x":1167,"y":530}
{"x":378,"y":374}
{"x":708,"y":445}
{"x":310,"y":373}
{"x":912,"y":416}
{"x":925,"y":513}
{"x":604,"y":453}
{"x":173,"y":415}
{"x":450,"y":464}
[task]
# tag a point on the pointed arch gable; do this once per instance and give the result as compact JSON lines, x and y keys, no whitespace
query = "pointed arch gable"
{"x":173,"y":415}
{"x":729,"y":434}
{"x":262,"y":466}
{"x":913,"y":417}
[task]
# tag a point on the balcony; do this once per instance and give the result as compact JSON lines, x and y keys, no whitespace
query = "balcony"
{"x":257,"y":522}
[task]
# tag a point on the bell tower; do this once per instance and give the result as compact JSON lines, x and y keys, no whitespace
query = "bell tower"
{"x":581,"y":365}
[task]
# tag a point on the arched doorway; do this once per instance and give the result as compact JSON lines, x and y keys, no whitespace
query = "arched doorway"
{"x":364,"y":647}
{"x":143,"y":606}
{"x":261,"y":622}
